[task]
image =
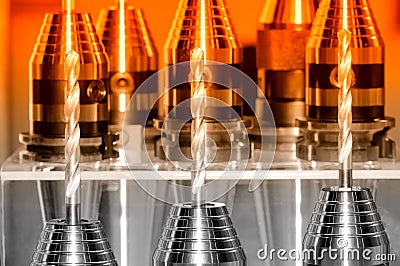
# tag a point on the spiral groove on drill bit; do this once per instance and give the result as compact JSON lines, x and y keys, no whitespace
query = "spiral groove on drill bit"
{"x":72,"y":130}
{"x":345,"y":104}
{"x":197,"y":108}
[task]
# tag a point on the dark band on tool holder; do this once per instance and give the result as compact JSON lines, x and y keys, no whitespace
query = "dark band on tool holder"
{"x":174,"y":99}
{"x":48,"y":81}
{"x":367,"y":90}
{"x":47,"y":115}
{"x":281,"y":69}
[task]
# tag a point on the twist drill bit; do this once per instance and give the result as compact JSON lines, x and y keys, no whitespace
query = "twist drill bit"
{"x":370,"y":124}
{"x":47,"y":84}
{"x":206,"y":24}
{"x":367,"y":62}
{"x":345,"y":140}
{"x":198,"y":132}
{"x":345,"y":217}
{"x":72,"y":135}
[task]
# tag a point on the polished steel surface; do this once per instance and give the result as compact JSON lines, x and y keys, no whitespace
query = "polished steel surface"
{"x":128,"y":68}
{"x":47,"y":78}
{"x":362,"y":97}
{"x":140,"y":53}
{"x":367,"y":49}
{"x":282,"y":25}
{"x":81,"y":244}
{"x":346,"y":220}
{"x":199,"y":236}
{"x":218,"y":37}
{"x":206,"y":25}
{"x":370,"y":125}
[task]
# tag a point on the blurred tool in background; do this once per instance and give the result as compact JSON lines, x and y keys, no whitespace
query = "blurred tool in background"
{"x":124,"y":32}
{"x":282,"y":33}
{"x":133,"y":58}
{"x":283,"y":29}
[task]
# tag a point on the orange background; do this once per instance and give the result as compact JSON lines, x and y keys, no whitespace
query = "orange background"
{"x":20,"y":21}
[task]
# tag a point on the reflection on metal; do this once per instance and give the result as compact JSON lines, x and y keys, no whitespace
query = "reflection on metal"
{"x":346,"y":220}
{"x":320,"y":141}
{"x":283,"y":25}
{"x":370,"y":125}
{"x":204,"y":24}
{"x":199,"y":236}
{"x":367,"y":59}
{"x":133,"y":57}
{"x":47,"y":78}
{"x":45,"y":139}
{"x":82,"y":244}
{"x":200,"y":233}
{"x":68,"y":67}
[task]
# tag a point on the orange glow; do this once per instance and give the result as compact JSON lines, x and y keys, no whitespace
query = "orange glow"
{"x":68,"y":7}
{"x":345,"y":25}
{"x":298,"y":14}
{"x":203,"y":27}
{"x":146,"y":38}
{"x":122,"y":48}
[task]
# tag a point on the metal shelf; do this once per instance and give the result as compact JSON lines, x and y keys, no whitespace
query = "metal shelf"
{"x":211,"y":175}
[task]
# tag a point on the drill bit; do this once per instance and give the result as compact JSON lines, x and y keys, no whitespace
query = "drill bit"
{"x":72,"y":135}
{"x":345,"y":118}
{"x":197,"y":108}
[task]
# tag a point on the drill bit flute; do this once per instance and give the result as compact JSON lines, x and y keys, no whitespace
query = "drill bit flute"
{"x":192,"y":233}
{"x":370,"y":125}
{"x":197,"y":108}
{"x":199,"y":225}
{"x":345,"y":217}
{"x":345,"y":140}
{"x":72,"y":241}
{"x":72,"y":135}
{"x":72,"y":130}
